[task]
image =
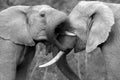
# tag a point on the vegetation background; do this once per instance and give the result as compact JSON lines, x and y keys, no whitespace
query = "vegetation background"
{"x":94,"y":69}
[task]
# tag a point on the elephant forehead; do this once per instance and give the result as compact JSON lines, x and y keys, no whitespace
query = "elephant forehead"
{"x":42,"y":8}
{"x":86,"y":8}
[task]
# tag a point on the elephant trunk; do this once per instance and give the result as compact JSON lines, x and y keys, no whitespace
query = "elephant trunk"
{"x":64,"y":67}
{"x":56,"y":23}
{"x":53,"y":23}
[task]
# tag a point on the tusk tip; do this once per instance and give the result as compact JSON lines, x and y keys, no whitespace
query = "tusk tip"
{"x":42,"y":66}
{"x":55,"y":59}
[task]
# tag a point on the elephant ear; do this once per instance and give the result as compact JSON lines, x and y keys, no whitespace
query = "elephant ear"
{"x":101,"y":24}
{"x":14,"y":27}
{"x":95,"y":20}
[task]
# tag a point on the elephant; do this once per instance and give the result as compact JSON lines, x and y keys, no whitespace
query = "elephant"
{"x":22,"y":28}
{"x":97,"y":25}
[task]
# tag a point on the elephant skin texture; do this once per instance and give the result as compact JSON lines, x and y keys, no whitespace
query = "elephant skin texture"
{"x":21,"y":29}
{"x":97,"y":24}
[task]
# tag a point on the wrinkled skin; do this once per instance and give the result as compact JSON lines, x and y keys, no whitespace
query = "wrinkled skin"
{"x":21,"y":28}
{"x":97,"y":24}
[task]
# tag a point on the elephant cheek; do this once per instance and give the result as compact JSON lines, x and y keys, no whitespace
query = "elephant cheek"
{"x":37,"y":27}
{"x":38,"y":34}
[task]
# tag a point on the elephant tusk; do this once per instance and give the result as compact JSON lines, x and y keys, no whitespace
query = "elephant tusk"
{"x":70,"y":33}
{"x":55,"y":59}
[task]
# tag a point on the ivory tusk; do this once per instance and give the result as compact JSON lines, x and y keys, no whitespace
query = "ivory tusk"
{"x":70,"y":33}
{"x":55,"y":59}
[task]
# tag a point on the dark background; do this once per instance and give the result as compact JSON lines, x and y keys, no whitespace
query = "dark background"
{"x":95,"y":69}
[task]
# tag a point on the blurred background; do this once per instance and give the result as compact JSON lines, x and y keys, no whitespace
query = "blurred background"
{"x":65,"y":5}
{"x":95,"y":66}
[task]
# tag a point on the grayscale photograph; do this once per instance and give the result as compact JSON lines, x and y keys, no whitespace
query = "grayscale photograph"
{"x":59,"y":39}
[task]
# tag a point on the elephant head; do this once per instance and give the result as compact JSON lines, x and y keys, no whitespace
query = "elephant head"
{"x":92,"y":22}
{"x":34,"y":20}
{"x":24,"y":26}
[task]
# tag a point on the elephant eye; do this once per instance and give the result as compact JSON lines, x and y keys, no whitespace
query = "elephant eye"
{"x":42,"y":14}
